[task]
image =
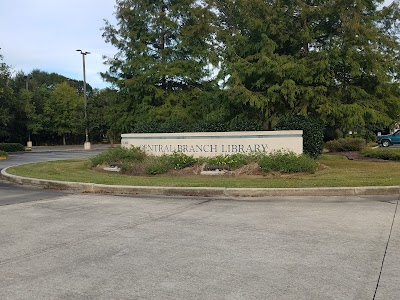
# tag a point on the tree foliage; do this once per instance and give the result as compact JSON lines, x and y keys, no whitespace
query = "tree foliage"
{"x":6,"y":101}
{"x":217,"y":65}
{"x":162,"y":65}
{"x":103,"y":115}
{"x":63,"y":111}
{"x":337,"y":60}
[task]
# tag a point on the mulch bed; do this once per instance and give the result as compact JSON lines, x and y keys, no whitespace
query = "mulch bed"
{"x":251,"y":170}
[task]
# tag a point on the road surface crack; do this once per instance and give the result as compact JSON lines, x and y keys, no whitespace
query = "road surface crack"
{"x":386,"y":248}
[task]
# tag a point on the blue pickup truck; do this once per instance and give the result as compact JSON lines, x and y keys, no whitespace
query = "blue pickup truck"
{"x":389,"y":139}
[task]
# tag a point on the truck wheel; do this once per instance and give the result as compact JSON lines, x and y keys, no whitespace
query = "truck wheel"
{"x":385,"y":143}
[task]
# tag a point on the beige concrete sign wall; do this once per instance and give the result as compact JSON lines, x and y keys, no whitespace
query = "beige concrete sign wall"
{"x":215,"y":143}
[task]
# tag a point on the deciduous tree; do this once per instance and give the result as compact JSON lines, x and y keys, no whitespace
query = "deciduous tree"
{"x":63,"y":111}
{"x":6,"y":101}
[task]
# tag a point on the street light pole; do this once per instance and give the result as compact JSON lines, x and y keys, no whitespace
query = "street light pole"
{"x":87,"y":145}
{"x":29,"y":143}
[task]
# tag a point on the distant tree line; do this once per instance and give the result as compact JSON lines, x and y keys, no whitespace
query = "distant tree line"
{"x":41,"y":107}
{"x":222,"y":65}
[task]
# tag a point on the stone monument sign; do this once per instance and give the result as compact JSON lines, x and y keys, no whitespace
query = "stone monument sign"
{"x":215,"y":143}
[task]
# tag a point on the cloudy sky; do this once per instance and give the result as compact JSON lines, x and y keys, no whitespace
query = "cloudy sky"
{"x":44,"y":34}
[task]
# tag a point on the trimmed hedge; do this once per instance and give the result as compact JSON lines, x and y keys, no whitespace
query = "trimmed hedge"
{"x":242,"y":123}
{"x":313,"y":133}
{"x":11,"y":147}
{"x":209,"y":126}
{"x":348,"y":144}
{"x":3,"y":154}
{"x":382,"y":153}
{"x":239,"y":123}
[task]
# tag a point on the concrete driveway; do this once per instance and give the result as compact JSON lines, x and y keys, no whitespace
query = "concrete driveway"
{"x":83,"y":246}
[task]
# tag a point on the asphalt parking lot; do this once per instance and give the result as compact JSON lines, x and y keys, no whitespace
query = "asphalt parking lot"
{"x":85,"y":246}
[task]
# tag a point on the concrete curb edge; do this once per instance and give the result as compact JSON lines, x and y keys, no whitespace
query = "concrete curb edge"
{"x":201,"y":191}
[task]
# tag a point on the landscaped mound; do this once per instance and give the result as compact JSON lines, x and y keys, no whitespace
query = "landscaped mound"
{"x":136,"y":162}
{"x":355,"y":149}
{"x":382,"y":153}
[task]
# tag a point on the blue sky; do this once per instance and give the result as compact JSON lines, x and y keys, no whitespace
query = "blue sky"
{"x":44,"y":34}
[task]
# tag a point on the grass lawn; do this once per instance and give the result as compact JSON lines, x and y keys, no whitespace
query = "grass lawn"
{"x":335,"y":171}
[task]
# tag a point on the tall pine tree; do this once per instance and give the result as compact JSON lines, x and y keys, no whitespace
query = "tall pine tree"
{"x":162,"y":67}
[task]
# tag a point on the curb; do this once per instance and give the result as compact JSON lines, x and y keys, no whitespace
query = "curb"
{"x":201,"y":191}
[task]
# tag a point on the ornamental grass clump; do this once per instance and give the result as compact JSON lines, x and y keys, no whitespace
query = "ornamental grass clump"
{"x":288,"y":162}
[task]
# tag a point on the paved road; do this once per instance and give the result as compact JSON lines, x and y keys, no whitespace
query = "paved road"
{"x":11,"y":193}
{"x":84,"y":246}
{"x":39,"y":154}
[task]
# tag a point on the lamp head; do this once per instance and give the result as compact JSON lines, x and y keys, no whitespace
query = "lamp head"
{"x":83,"y":52}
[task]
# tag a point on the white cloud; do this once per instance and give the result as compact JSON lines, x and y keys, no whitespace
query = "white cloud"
{"x":44,"y":34}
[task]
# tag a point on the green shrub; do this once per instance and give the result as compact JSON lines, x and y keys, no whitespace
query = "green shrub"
{"x":179,"y":160}
{"x":135,"y":161}
{"x":3,"y":154}
{"x":234,"y":161}
{"x":348,"y":144}
{"x":145,"y":127}
{"x":244,"y":123}
{"x":313,"y":133}
{"x":288,"y":162}
{"x":209,"y":126}
{"x":173,"y":125}
{"x":118,"y":154}
{"x":382,"y":153}
{"x":157,"y":165}
{"x":162,"y":164}
{"x":332,"y":146}
{"x":11,"y":147}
